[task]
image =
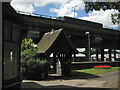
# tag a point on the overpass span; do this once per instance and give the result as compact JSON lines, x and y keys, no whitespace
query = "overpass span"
{"x":100,"y":38}
{"x":76,"y":31}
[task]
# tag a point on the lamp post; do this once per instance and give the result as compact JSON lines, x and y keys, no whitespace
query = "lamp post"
{"x":74,"y":10}
{"x":89,"y":56}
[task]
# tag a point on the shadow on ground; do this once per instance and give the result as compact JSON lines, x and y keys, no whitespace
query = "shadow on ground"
{"x":74,"y":75}
{"x":30,"y":85}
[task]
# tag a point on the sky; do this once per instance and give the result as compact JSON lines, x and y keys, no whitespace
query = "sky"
{"x":57,"y":8}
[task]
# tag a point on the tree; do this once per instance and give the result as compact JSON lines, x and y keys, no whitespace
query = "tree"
{"x":31,"y":67}
{"x":27,"y":50}
{"x":90,"y":6}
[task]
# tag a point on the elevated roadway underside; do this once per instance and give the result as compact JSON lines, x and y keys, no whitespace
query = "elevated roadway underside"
{"x":100,"y":37}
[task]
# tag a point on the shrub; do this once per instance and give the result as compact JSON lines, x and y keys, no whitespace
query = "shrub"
{"x":34,"y":68}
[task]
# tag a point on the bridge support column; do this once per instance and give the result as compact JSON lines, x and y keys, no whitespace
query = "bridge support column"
{"x":87,"y":55}
{"x":96,"y":54}
{"x":114,"y":55}
{"x":109,"y":51}
{"x":102,"y":54}
{"x":74,"y":57}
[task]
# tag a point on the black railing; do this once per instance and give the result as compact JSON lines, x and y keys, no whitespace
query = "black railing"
{"x":35,"y":14}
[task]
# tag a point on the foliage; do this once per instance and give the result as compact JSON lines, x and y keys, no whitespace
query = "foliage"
{"x":27,"y":50}
{"x":31,"y":67}
{"x":97,"y":6}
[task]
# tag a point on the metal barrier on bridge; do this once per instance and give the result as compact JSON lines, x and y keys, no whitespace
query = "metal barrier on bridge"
{"x":37,"y":15}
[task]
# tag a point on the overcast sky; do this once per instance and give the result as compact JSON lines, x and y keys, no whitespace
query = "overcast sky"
{"x":58,"y":8}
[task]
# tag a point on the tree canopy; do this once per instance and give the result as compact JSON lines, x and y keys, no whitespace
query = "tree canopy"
{"x":28,"y":51}
{"x":31,"y":66}
{"x":97,"y":6}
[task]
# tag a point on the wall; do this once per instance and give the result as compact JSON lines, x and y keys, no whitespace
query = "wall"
{"x":80,"y":59}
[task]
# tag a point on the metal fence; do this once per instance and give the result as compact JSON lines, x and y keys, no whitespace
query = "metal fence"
{"x":37,"y":15}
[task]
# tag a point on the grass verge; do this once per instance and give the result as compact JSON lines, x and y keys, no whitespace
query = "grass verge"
{"x":88,"y":73}
{"x":94,"y":71}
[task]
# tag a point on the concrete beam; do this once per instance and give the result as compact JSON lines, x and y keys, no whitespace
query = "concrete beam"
{"x":64,"y":24}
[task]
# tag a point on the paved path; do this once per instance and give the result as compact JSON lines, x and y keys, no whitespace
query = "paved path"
{"x":107,"y":80}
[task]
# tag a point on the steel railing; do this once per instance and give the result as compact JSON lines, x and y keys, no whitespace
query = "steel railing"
{"x":37,"y":15}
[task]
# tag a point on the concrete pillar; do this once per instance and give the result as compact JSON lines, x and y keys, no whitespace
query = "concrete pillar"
{"x":109,"y":51}
{"x":96,"y":54}
{"x":87,"y":54}
{"x":74,"y":58}
{"x":102,"y":54}
{"x":114,"y":55}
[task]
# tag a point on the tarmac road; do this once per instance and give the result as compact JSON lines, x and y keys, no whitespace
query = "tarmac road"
{"x":107,"y":80}
{"x":109,"y":76}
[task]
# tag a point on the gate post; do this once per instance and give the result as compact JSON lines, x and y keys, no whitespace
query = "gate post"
{"x":54,"y":61}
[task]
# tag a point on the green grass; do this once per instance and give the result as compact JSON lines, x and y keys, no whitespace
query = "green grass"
{"x":94,"y":71}
{"x":91,"y":73}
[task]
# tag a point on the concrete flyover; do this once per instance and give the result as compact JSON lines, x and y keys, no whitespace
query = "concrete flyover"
{"x":100,"y":38}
